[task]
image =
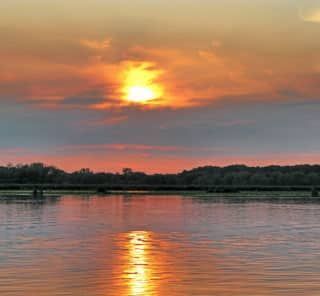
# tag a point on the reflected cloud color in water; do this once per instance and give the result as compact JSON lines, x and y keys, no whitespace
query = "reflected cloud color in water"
{"x":158,"y":246}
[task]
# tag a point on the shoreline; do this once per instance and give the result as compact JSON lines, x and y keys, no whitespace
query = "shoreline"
{"x":199,"y":195}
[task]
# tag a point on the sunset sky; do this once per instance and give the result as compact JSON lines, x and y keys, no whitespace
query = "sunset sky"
{"x":161,"y":85}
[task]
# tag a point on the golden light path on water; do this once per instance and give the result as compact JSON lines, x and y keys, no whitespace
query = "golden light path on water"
{"x":139,"y":265}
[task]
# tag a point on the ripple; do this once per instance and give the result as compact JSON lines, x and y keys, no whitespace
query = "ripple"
{"x":158,"y":246}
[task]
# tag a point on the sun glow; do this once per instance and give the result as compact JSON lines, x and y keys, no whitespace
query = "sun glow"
{"x":140,"y":84}
{"x":140,"y":94}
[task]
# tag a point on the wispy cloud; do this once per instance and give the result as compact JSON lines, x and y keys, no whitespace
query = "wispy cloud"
{"x":139,"y":148}
{"x":152,"y":163}
{"x":109,"y":121}
{"x":310,"y":11}
{"x":96,"y":44}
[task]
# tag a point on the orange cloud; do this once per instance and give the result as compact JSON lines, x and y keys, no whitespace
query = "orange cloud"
{"x":173,"y":77}
{"x":140,"y":148}
{"x":178,"y":77}
{"x":145,"y":158}
{"x":96,"y":44}
{"x":310,"y":11}
{"x":29,"y":78}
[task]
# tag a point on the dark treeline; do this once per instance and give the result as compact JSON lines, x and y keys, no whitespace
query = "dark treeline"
{"x":235,"y":175}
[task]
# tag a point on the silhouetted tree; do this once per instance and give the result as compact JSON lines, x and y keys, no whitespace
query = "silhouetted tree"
{"x":236,"y":175}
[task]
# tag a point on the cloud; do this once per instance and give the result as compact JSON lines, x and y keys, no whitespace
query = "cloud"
{"x":96,"y":44}
{"x":80,"y":101}
{"x":161,"y":140}
{"x":109,"y":121}
{"x":216,"y":43}
{"x":310,"y":11}
{"x":188,"y":77}
{"x":140,"y":148}
{"x":141,"y":159}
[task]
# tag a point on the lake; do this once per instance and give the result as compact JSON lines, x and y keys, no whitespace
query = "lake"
{"x":158,"y":245}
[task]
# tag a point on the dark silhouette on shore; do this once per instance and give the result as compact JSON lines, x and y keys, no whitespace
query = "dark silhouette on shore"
{"x":212,"y":178}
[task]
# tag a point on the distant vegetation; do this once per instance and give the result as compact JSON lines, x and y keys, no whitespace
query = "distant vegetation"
{"x":236,"y":175}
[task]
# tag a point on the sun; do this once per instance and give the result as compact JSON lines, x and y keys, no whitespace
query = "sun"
{"x":140,"y":85}
{"x":140,"y":94}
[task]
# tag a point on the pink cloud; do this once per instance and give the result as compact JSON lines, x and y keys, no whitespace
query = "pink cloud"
{"x":144,"y":158}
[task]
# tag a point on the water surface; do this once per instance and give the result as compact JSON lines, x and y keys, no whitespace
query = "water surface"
{"x":158,"y":245}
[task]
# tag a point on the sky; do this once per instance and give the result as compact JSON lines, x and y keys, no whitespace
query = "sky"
{"x":159,"y":86}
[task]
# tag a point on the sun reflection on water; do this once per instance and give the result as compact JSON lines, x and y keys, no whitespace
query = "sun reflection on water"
{"x":139,"y":270}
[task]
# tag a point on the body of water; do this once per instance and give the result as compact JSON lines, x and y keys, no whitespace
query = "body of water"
{"x":158,"y":245}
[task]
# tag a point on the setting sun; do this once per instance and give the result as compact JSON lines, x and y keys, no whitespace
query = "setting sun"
{"x":140,"y":83}
{"x":140,"y":94}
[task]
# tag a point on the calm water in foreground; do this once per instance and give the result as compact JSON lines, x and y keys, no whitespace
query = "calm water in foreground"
{"x":158,"y":245}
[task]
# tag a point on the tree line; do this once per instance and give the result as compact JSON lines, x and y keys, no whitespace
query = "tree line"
{"x":234,"y":175}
